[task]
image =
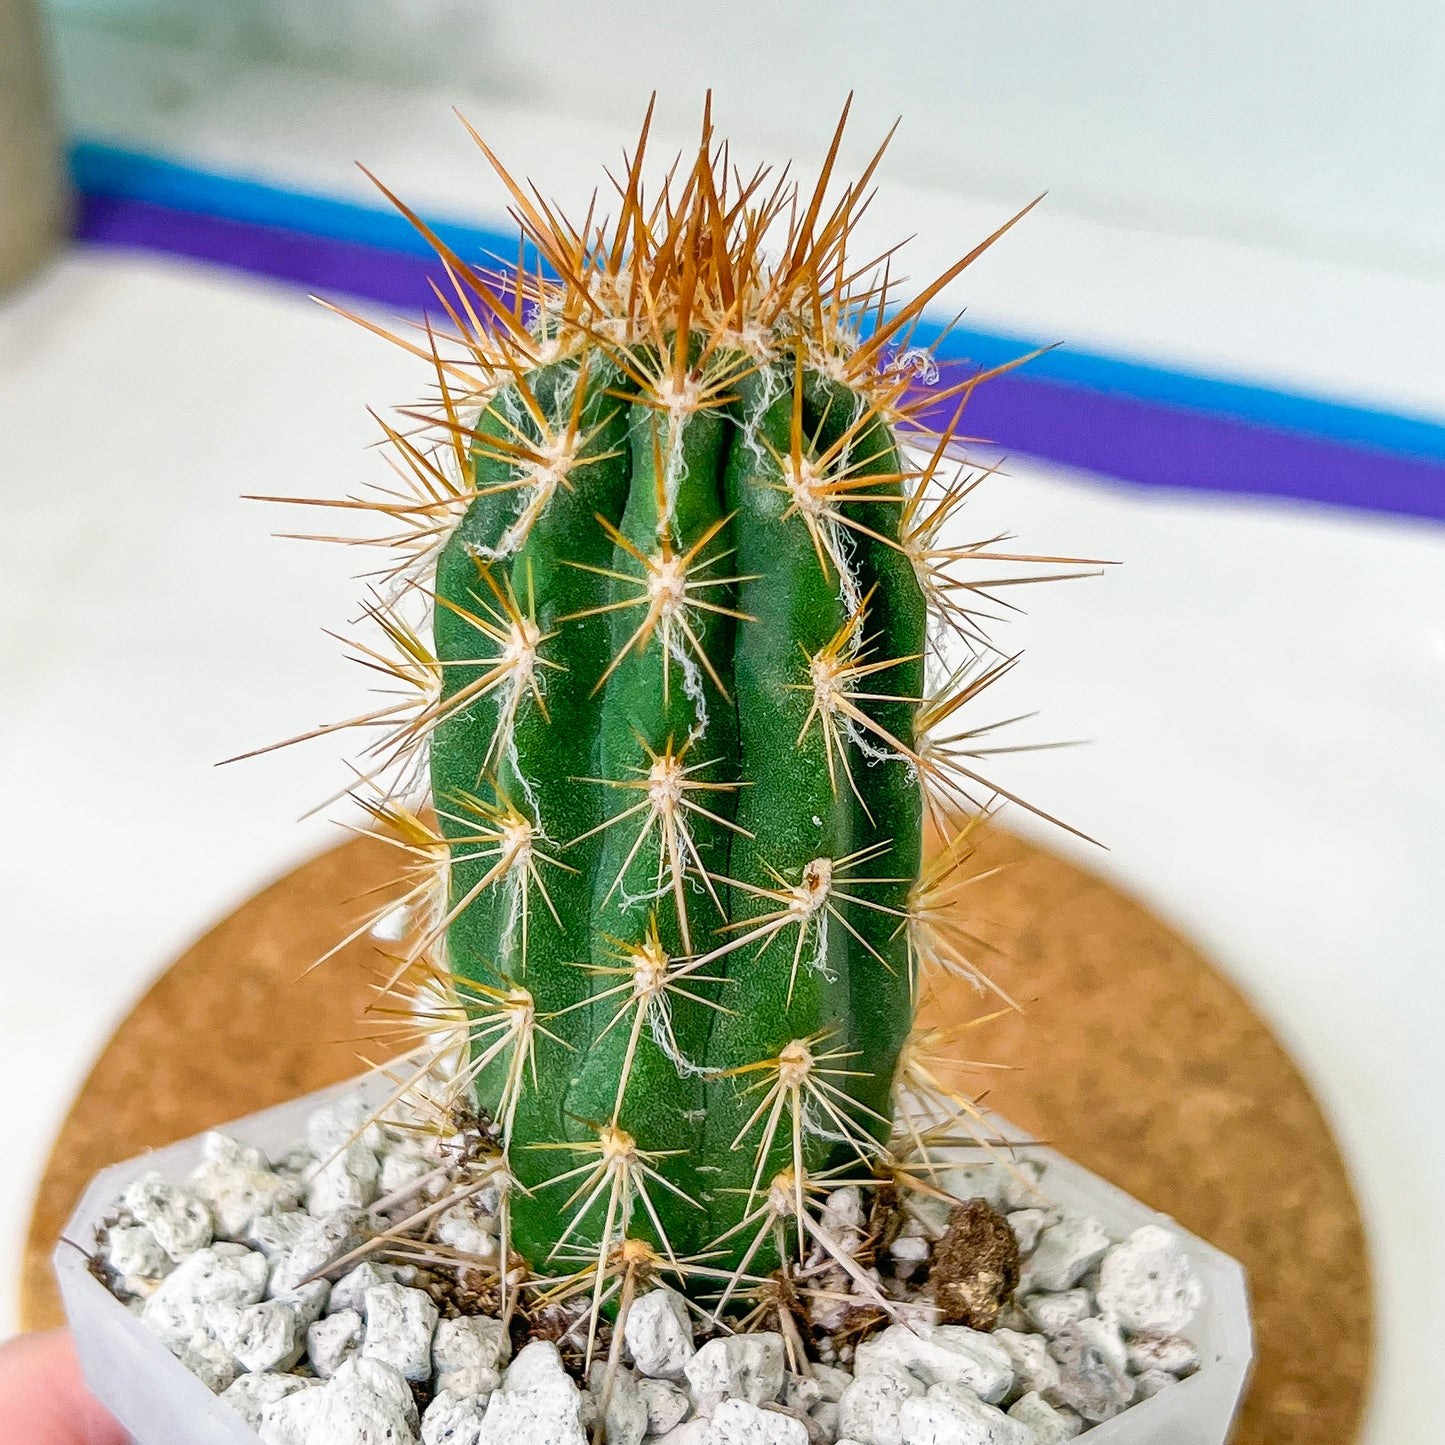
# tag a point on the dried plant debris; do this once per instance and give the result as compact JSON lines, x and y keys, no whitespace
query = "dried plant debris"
{"x":975,"y":1266}
{"x":916,"y":1312}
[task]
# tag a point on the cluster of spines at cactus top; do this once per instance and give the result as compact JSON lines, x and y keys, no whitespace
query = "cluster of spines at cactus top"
{"x":683,"y":711}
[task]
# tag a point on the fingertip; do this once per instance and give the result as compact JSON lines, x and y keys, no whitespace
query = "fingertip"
{"x":43,"y":1397}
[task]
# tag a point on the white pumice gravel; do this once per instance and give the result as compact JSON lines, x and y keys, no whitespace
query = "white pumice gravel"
{"x":180,"y":1221}
{"x":238,"y":1185}
{"x":658,"y":1334}
{"x":469,"y":1229}
{"x":949,"y":1415}
{"x":843,"y":1215}
{"x":1012,"y":1317}
{"x":349,"y":1291}
{"x":667,"y":1405}
{"x":1065,"y":1253}
{"x":620,"y":1404}
{"x":1050,"y":1426}
{"x":250,"y":1394}
{"x":350,"y":1180}
{"x":403,"y":1167}
{"x":925,"y":1219}
{"x":400,"y":1323}
{"x":824,"y":1417}
{"x":272,"y":1233}
{"x":237,"y":1273}
{"x":910,"y":1250}
{"x":1049,"y":1313}
{"x":539,"y":1402}
{"x":221,"y":1274}
{"x":738,"y":1422}
{"x":326,"y":1239}
{"x":365,"y":1399}
{"x":690,"y":1432}
{"x":347,"y":1121}
{"x":1028,"y":1224}
{"x":134,"y":1253}
{"x":870,"y":1408}
{"x":800,"y":1392}
{"x":292,"y":1419}
{"x":740,"y":1367}
{"x":1149,"y":1384}
{"x":947,"y":1354}
{"x":831,"y":1382}
{"x":1172,"y":1354}
{"x":1021,"y":1185}
{"x":295,"y":1162}
{"x":1035,"y":1369}
{"x":332,"y":1341}
{"x":208,"y":1360}
{"x":828,"y":1308}
{"x":309,"y":1300}
{"x":538,"y":1366}
{"x":453,"y":1419}
{"x":1093,"y":1369}
{"x":173,"y":1321}
{"x":467,"y":1355}
{"x":365,"y":1403}
{"x":265,"y":1336}
{"x":1148,"y":1284}
{"x":984,"y":1181}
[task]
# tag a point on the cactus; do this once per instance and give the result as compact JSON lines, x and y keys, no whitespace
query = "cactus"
{"x":683,"y":580}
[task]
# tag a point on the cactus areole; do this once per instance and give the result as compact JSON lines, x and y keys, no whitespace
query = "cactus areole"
{"x":682,"y":582}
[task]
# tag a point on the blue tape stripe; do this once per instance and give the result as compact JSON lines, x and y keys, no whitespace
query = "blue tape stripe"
{"x":1287,"y":411}
{"x":100,"y":170}
{"x":105,"y":171}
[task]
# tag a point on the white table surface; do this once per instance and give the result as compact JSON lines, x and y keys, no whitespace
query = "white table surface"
{"x":1265,"y":685}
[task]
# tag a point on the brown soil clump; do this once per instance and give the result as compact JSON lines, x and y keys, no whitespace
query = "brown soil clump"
{"x":975,"y":1266}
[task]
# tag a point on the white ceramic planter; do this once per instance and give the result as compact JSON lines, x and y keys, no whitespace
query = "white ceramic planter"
{"x":161,"y":1403}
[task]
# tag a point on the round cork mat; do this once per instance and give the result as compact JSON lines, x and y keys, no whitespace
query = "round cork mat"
{"x":1135,"y":1057}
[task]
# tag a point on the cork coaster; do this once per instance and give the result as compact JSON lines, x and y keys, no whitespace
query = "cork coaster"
{"x":1136,"y":1058}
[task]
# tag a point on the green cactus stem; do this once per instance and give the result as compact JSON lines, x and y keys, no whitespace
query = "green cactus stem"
{"x":683,"y":577}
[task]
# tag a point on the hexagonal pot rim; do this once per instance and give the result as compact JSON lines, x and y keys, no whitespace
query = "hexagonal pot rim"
{"x":160,"y":1402}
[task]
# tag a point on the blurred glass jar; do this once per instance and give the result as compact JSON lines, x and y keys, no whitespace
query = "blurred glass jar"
{"x":401,"y":42}
{"x":34,"y":195}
